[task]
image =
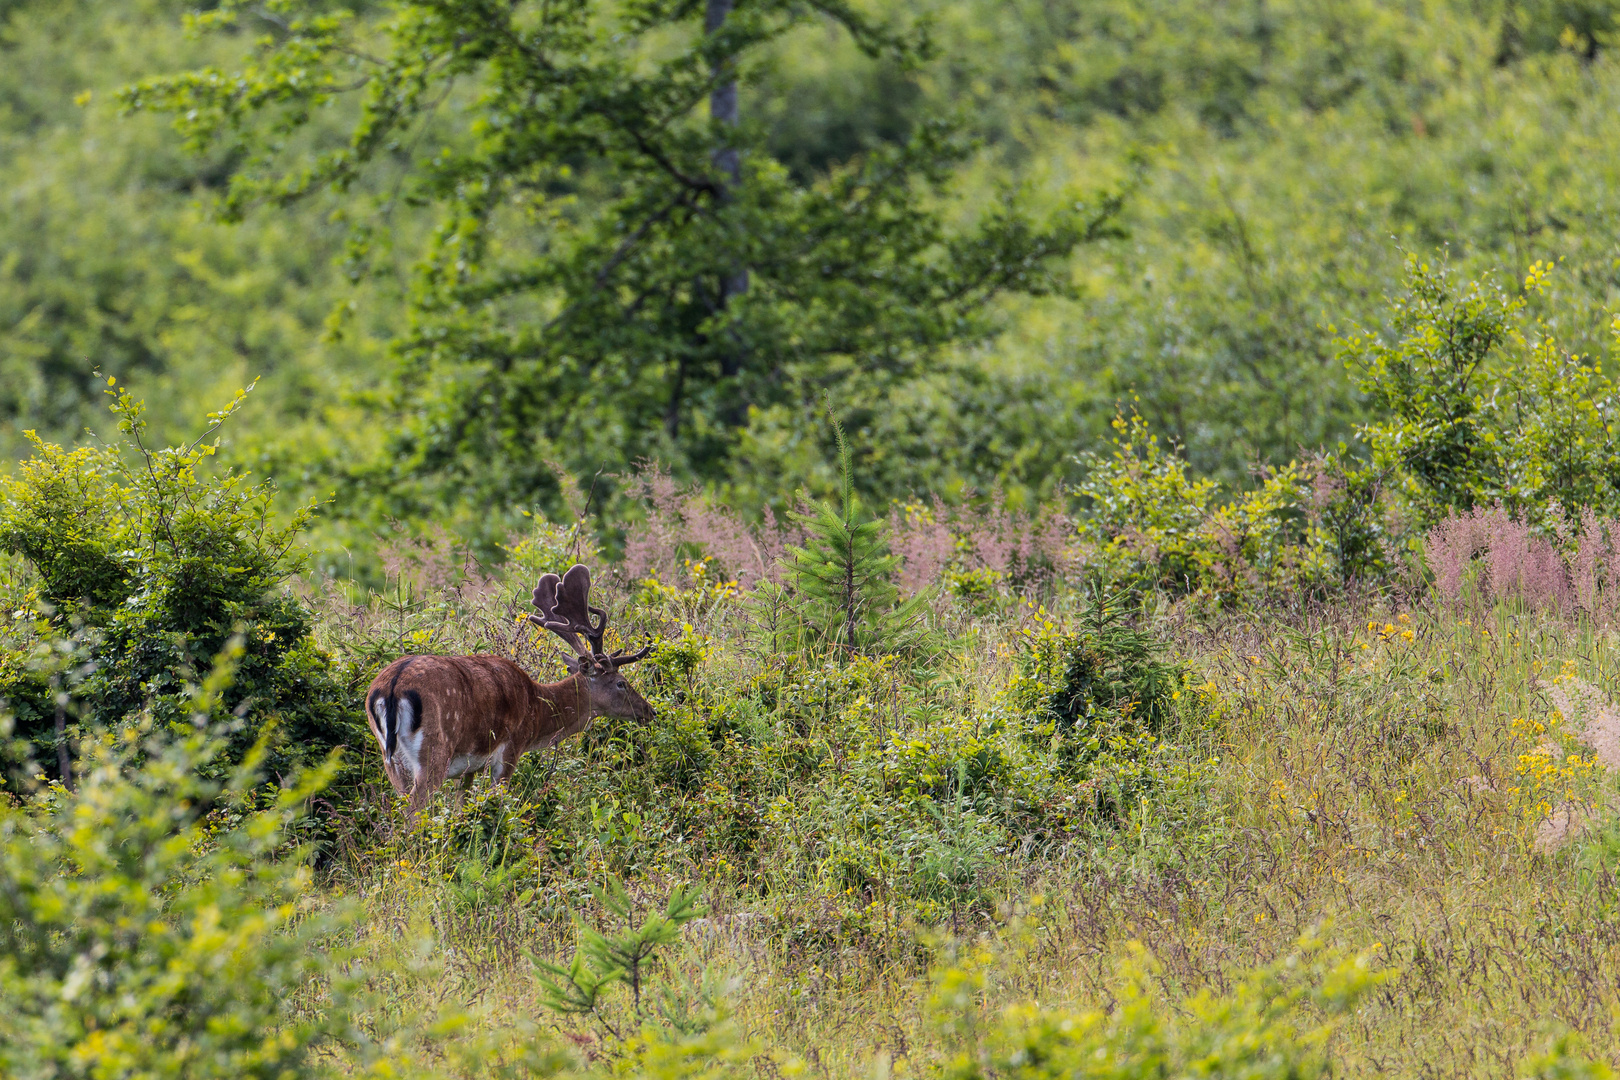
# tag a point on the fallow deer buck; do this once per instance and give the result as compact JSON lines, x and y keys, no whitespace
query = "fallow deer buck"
{"x":438,"y":717}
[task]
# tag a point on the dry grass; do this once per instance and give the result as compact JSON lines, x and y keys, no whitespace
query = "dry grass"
{"x":1395,"y":771}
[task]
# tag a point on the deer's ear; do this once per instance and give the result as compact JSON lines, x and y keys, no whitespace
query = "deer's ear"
{"x":572,"y":664}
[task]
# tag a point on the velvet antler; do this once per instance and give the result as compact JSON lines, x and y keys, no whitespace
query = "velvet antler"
{"x":550,"y":618}
{"x":566,"y":610}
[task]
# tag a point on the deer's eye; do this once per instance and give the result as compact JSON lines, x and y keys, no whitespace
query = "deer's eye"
{"x":623,"y":685}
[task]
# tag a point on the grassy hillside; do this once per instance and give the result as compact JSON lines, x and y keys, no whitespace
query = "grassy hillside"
{"x":1123,"y":758}
{"x":1426,"y":787}
{"x":1274,"y":827}
{"x":1383,"y":770}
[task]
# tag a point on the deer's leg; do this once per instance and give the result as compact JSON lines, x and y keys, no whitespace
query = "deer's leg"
{"x":465,"y":786}
{"x":500,"y":768}
{"x":428,"y":781}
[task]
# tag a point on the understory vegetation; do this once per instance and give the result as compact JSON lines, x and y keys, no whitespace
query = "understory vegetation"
{"x":1124,"y":497}
{"x":1320,"y":778}
{"x":1375,"y":833}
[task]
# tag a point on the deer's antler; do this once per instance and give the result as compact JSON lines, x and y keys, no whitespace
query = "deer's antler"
{"x":625,"y":659}
{"x":566,"y":610}
{"x":574,"y":604}
{"x":558,"y":622}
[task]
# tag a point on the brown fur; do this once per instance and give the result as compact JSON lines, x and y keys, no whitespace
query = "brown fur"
{"x":482,"y":711}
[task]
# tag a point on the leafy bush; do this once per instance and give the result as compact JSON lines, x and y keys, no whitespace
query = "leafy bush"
{"x":1484,"y":408}
{"x":1566,"y":1059}
{"x":150,"y":563}
{"x":1154,"y":527}
{"x":155,"y":923}
{"x":1274,"y":1024}
{"x":1145,"y":511}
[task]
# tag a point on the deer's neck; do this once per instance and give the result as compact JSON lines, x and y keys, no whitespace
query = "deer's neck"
{"x":558,"y":710}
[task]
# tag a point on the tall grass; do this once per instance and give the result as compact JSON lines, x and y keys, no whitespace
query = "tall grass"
{"x":1379,"y":766}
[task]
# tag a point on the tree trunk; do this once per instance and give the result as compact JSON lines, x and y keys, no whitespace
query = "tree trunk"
{"x":728,"y":160}
{"x":723,"y":100}
{"x":64,"y":760}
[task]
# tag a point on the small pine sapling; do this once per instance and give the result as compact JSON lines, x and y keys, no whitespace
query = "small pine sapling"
{"x":845,"y":572}
{"x":626,"y":956}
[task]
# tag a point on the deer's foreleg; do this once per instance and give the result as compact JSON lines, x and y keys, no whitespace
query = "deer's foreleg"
{"x":502,"y":764}
{"x":429,"y":780}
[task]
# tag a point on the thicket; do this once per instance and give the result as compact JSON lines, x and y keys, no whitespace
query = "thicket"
{"x":155,"y":923}
{"x":1290,"y":143}
{"x":167,"y":854}
{"x":145,"y":562}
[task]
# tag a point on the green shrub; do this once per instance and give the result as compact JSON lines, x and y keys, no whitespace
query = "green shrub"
{"x":1099,"y":706}
{"x":1152,"y":526}
{"x":150,"y":562}
{"x":1108,"y":670}
{"x":1566,"y":1059}
{"x":154,"y":923}
{"x":1145,"y":513}
{"x":29,"y":682}
{"x":1273,"y":1026}
{"x":1358,"y":524}
{"x":624,"y":955}
{"x":979,"y":589}
{"x":1485,"y":406}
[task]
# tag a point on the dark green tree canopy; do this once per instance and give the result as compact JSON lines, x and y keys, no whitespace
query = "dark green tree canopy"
{"x":622,"y":268}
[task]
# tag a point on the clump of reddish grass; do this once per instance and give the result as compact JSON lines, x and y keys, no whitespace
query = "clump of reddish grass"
{"x":930,"y":538}
{"x":684,"y":523}
{"x":1024,"y":550}
{"x":923,"y":539}
{"x":1508,"y":559}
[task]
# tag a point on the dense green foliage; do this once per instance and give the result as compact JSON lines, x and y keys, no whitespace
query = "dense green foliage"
{"x":1288,"y":144}
{"x":149,"y":928}
{"x":1485,"y":406}
{"x":1254,"y":1032}
{"x":1006,"y":808}
{"x":148,"y":562}
{"x":620,"y":268}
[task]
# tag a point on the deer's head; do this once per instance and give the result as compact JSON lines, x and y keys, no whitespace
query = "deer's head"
{"x":565,"y":610}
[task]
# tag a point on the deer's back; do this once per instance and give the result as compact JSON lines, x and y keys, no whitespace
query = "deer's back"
{"x":471,"y":704}
{"x":490,"y":684}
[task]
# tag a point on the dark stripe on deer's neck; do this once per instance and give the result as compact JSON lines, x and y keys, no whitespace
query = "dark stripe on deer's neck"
{"x":582,"y":697}
{"x":559,"y":706}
